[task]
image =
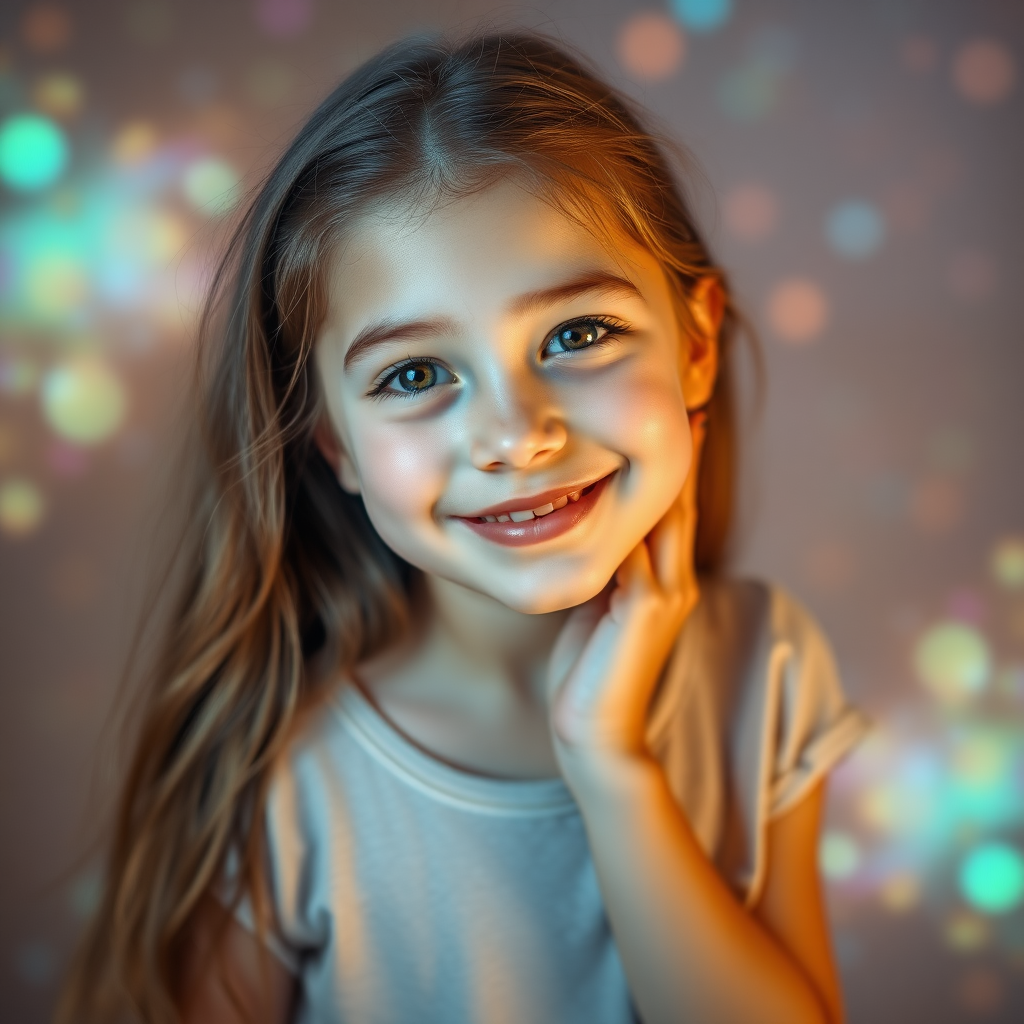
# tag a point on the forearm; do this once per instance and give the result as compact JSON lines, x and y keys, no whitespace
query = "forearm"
{"x":690,"y":951}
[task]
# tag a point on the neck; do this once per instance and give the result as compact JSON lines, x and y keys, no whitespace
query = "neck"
{"x":468,"y":650}
{"x":505,"y":647}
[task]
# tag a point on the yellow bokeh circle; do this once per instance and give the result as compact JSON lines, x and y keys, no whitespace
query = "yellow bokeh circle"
{"x":952,"y":659}
{"x":1007,"y":563}
{"x":83,"y":400}
{"x":21,"y":507}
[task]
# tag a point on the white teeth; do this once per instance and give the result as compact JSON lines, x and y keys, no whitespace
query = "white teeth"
{"x":527,"y":514}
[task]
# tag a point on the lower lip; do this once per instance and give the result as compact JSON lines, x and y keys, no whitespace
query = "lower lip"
{"x":540,"y":528}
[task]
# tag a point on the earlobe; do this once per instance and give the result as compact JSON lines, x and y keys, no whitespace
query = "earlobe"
{"x":700,"y":368}
{"x":327,"y":441}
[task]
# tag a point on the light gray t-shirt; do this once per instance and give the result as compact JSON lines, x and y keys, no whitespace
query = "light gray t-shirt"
{"x":404,"y":889}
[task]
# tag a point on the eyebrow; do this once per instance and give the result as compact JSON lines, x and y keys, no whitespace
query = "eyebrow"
{"x":384,"y":330}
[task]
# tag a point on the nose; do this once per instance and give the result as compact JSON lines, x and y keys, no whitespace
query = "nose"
{"x":516,"y":431}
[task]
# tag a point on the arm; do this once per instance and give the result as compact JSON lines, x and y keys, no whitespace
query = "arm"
{"x":228,"y":976}
{"x":689,"y":949}
{"x":791,"y":905}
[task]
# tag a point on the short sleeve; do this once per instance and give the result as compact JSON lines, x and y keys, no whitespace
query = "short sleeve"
{"x":815,"y":727}
{"x":298,"y":925}
{"x":241,"y":908}
{"x":749,"y":716}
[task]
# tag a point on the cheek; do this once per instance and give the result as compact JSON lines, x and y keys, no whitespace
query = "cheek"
{"x":402,"y":471}
{"x":643,"y":417}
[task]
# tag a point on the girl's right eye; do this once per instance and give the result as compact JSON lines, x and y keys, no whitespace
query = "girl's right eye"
{"x":412,"y":377}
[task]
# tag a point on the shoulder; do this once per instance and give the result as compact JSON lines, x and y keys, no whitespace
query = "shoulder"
{"x":748,"y":608}
{"x":301,"y":789}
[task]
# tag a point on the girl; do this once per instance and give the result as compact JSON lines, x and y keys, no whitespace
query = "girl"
{"x":446,"y":729}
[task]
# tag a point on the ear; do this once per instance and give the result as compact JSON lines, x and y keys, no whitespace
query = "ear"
{"x":326,"y":439}
{"x":700,"y":358}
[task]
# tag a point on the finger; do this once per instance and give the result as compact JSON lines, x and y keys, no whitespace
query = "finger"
{"x":667,"y":544}
{"x":691,"y":489}
{"x":698,"y":431}
{"x":634,"y":580}
{"x":672,"y":540}
{"x":575,"y":633}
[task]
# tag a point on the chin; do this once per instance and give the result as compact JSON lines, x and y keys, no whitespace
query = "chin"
{"x":539,"y":597}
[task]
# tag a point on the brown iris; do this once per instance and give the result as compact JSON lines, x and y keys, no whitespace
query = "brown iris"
{"x":416,"y":376}
{"x":577,"y":336}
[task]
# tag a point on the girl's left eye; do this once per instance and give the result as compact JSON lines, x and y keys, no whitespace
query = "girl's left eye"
{"x":580,"y":334}
{"x":411,"y":378}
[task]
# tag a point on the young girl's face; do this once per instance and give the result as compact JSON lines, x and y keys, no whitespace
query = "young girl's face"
{"x":489,"y":359}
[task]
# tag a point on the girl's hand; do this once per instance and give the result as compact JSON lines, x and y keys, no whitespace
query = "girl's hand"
{"x":608,"y":659}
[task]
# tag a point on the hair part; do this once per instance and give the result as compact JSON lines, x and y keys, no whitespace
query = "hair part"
{"x":288,"y":583}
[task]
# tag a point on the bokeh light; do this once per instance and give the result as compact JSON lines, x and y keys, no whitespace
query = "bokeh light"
{"x":797,"y":310}
{"x":983,"y":71}
{"x":1007,"y":562}
{"x":651,"y":46}
{"x":702,"y":15}
{"x":838,"y":855}
{"x":855,"y":229}
{"x":58,"y":95}
{"x":284,"y":17}
{"x":966,"y":932}
{"x":66,"y":460}
{"x":936,"y":505}
{"x":33,"y":152}
{"x":952,"y":659}
{"x":211,"y":185}
{"x":754,"y":88}
{"x":46,"y":28}
{"x":900,"y":891}
{"x":21,"y":507}
{"x":992,"y":878}
{"x":980,"y":991}
{"x":83,"y":400}
{"x":56,"y":284}
{"x":751,"y":212}
{"x":135,"y":142}
{"x":135,"y":246}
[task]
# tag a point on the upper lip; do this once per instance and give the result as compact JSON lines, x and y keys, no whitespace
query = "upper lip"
{"x":530,"y":502}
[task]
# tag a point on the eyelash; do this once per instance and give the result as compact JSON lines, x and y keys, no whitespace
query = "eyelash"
{"x":614,"y":329}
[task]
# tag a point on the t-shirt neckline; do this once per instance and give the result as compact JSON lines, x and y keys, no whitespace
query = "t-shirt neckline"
{"x":483,"y":794}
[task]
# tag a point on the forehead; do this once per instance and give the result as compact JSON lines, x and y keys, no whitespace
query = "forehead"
{"x":474,"y":251}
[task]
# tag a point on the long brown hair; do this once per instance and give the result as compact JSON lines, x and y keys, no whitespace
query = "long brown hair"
{"x":287,"y":582}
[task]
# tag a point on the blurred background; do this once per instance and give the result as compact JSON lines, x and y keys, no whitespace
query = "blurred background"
{"x":864,"y":167}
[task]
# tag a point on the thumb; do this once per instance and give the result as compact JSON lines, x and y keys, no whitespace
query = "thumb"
{"x":578,"y":628}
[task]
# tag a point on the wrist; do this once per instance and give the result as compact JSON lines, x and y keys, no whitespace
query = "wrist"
{"x":604,"y":780}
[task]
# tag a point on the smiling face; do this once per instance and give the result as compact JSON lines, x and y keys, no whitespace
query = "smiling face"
{"x":489,"y":359}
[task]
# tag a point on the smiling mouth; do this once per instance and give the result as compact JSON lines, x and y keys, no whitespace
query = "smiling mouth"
{"x":525,"y":514}
{"x":516,"y":527}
